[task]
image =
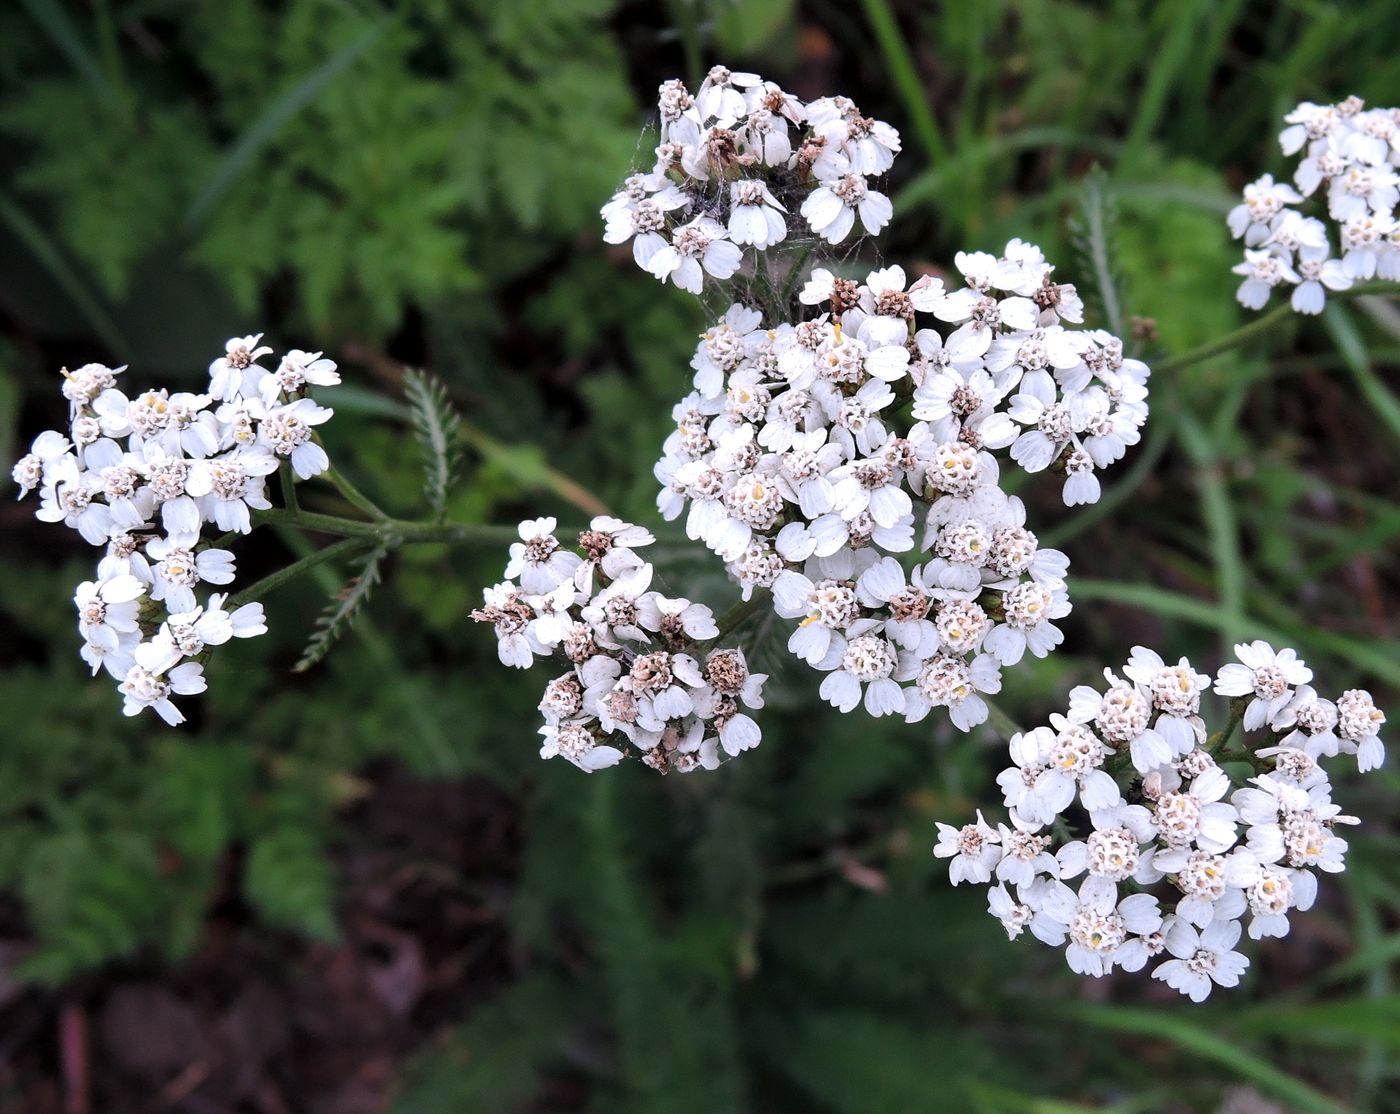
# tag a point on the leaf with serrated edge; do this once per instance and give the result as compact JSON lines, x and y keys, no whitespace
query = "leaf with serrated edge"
{"x":340,"y":615}
{"x":438,"y":429}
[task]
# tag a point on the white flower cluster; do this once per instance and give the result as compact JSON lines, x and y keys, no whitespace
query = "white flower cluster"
{"x":641,"y":676}
{"x":1350,"y":154}
{"x":734,"y":160}
{"x":808,"y":453}
{"x":1172,"y":868}
{"x":143,"y":476}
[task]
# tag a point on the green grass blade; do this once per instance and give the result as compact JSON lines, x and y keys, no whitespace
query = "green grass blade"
{"x":1208,"y":1044}
{"x":924,"y":189}
{"x":1219,"y":515}
{"x":1341,"y":1023}
{"x":57,"y":25}
{"x":1175,"y":50}
{"x":1358,"y":361}
{"x":1173,"y":605}
{"x":51,"y":257}
{"x":258,"y":134}
{"x":900,"y":63}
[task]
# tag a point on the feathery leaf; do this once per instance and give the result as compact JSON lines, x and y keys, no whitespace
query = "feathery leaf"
{"x":343,"y":609}
{"x":438,"y":428}
{"x":1095,"y":259}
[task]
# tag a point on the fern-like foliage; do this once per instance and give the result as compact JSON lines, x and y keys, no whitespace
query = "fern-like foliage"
{"x":438,"y":429}
{"x":344,"y":607}
{"x":1092,"y":233}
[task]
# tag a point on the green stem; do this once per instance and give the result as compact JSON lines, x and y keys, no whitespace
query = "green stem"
{"x":1259,"y":326}
{"x":1000,"y":722}
{"x":1216,"y":744}
{"x":390,"y":529}
{"x":737,"y":615}
{"x":275,"y":580}
{"x":1221,"y":525}
{"x":289,"y":487}
{"x":321,"y":523}
{"x":353,"y":495}
{"x":794,"y":275}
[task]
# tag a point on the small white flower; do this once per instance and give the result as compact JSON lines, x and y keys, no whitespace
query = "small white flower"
{"x":862,"y":658}
{"x":1014,"y":916}
{"x":699,"y":248}
{"x":677,"y":621}
{"x":298,"y":371}
{"x":517,"y":645}
{"x":537,"y":558}
{"x":1359,"y":723}
{"x":1265,"y":676}
{"x":35,"y":468}
{"x":227,"y":486}
{"x":288,"y":431}
{"x":238,"y":368}
{"x":755,"y":217}
{"x":1263,"y":271}
{"x":616,"y":611}
{"x":146,"y":686}
{"x":1099,"y":928}
{"x":187,"y":634}
{"x":1310,"y":722}
{"x":179,"y":567}
{"x":72,"y":500}
{"x":1263,"y":200}
{"x":945,"y":681}
{"x":1175,"y":691}
{"x":831,"y":209}
{"x":608,"y":546}
{"x":575,"y":742}
{"x":1122,"y":716}
{"x":1202,"y":959}
{"x":972,"y":850}
{"x":643,"y":221}
{"x":1029,"y":609}
{"x":824,"y":606}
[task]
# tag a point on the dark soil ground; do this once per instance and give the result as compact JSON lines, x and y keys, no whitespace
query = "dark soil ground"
{"x":261,"y":1023}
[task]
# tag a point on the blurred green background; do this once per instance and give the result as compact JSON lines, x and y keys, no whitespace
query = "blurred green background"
{"x":358,"y":889}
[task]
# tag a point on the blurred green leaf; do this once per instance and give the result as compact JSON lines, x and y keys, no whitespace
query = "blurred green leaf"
{"x":240,"y":157}
{"x":289,"y":881}
{"x":1208,"y":1044}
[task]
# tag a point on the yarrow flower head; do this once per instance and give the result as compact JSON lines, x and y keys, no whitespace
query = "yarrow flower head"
{"x":1335,"y":224}
{"x":644,"y":678}
{"x":811,"y":456}
{"x":737,"y":159}
{"x":1181,"y":854}
{"x":146,"y":477}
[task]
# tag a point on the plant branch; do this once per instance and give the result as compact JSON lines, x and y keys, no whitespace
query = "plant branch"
{"x":1259,"y":326}
{"x":1216,"y":744}
{"x":272,"y":581}
{"x":392,"y":529}
{"x":353,"y":495}
{"x":737,"y":615}
{"x":289,"y":486}
{"x":1000,"y":722}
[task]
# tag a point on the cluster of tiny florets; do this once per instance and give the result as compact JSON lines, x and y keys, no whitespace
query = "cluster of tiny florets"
{"x":643,"y":677}
{"x":735,"y":159}
{"x":145,"y":476}
{"x":1349,"y":155}
{"x":1175,"y":854}
{"x":808,"y":454}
